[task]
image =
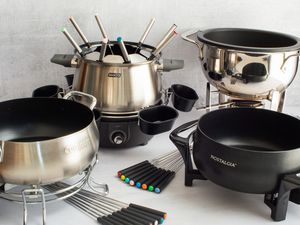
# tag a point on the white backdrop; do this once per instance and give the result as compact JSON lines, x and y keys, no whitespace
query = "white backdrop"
{"x":30,"y":33}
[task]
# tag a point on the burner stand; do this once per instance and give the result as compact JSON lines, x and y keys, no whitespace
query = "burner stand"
{"x":37,"y":194}
{"x":276,"y":100}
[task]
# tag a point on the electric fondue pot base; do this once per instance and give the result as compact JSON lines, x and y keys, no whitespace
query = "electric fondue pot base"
{"x":288,"y":190}
{"x":121,"y":133}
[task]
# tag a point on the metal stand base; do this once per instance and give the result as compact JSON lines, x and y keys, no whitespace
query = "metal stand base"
{"x":276,"y":101}
{"x":36,"y":194}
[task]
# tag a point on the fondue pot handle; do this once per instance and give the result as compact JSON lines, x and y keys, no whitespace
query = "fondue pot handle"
{"x":65,"y":60}
{"x":287,"y":58}
{"x":80,"y":96}
{"x":186,"y":36}
{"x":183,"y":145}
{"x":168,"y":65}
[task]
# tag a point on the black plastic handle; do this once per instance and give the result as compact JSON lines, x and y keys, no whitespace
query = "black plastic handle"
{"x":159,"y":188}
{"x":161,"y":178}
{"x":136,"y":218}
{"x":152,"y":176}
{"x":172,"y":64}
{"x":139,"y":171}
{"x":62,"y":59}
{"x":183,"y":146}
{"x":104,"y":221}
{"x":153,"y":211}
{"x":148,"y":173}
{"x":128,"y":169}
{"x":126,"y":219}
{"x":180,"y":142}
{"x":147,"y":214}
{"x":134,"y":212}
{"x":117,"y":220}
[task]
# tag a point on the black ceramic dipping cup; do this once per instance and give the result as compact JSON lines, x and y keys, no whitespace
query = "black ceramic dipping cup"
{"x":48,"y":91}
{"x":183,"y":97}
{"x":157,"y":119}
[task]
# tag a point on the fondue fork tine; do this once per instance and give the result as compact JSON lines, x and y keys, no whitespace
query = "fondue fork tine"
{"x":95,"y":206}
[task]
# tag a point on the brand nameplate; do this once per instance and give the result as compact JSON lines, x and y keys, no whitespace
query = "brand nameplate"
{"x":117,"y":75}
{"x":78,"y":147}
{"x":222,"y":161}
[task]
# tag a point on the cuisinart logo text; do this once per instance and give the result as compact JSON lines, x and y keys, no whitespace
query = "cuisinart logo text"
{"x":222,"y":161}
{"x":114,"y":75}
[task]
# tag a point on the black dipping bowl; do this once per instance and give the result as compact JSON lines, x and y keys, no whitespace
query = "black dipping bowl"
{"x":157,"y":119}
{"x":183,"y":97}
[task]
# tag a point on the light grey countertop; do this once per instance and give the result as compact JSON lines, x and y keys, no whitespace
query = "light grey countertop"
{"x":203,"y":203}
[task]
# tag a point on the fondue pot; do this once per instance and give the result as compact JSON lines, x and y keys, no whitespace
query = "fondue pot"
{"x":45,"y":140}
{"x":247,"y":63}
{"x":125,"y":77}
{"x":120,"y":88}
{"x":125,"y":92}
{"x":245,"y":149}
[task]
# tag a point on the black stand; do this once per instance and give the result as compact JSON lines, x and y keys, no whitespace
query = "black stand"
{"x":289,"y":190}
{"x":190,"y":173}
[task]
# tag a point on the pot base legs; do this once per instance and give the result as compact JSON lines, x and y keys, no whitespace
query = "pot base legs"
{"x":192,"y":175}
{"x":289,"y":190}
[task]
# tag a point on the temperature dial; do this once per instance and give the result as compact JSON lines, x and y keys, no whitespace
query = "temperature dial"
{"x":118,"y":138}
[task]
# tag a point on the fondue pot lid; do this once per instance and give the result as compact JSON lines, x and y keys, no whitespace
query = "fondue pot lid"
{"x":249,"y":40}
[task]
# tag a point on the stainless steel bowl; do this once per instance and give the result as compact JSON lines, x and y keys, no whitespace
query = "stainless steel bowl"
{"x":120,"y":88}
{"x":246,"y":63}
{"x":45,"y":140}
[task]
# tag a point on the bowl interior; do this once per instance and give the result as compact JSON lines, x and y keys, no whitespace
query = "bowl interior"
{"x":252,"y":129}
{"x":250,"y":38}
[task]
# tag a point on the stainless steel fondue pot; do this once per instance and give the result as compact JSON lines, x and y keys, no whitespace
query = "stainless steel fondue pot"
{"x":45,"y":140}
{"x":247,"y":63}
{"x":120,"y":88}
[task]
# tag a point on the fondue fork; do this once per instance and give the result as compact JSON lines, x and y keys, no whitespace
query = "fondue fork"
{"x":83,"y":37}
{"x":110,"y":211}
{"x":103,"y":32}
{"x":164,"y":41}
{"x":103,"y":49}
{"x":154,"y":175}
{"x":123,"y":49}
{"x":145,"y":34}
{"x":71,"y":40}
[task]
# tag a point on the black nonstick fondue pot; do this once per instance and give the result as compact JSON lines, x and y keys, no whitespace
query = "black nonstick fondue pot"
{"x":245,"y":149}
